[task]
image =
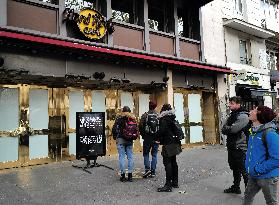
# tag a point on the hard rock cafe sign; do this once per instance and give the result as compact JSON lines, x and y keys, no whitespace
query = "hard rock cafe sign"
{"x":90,"y":22}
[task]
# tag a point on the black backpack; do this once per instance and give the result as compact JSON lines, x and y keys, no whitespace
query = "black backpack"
{"x":177,"y":130}
{"x":152,"y":123}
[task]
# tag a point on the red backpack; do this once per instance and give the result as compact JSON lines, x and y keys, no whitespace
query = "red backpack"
{"x":130,"y":130}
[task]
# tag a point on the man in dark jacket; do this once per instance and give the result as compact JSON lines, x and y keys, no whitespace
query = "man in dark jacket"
{"x":149,"y":130}
{"x":171,"y":147}
{"x":262,"y":160}
{"x":124,"y":147}
{"x":235,"y":128}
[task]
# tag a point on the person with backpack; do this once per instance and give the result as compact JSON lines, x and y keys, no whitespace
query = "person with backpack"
{"x":235,"y":129}
{"x":171,"y":147}
{"x":262,"y":159}
{"x":124,"y":131}
{"x":149,"y":129}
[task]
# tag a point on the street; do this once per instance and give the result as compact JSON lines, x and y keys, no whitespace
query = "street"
{"x":203,"y":174}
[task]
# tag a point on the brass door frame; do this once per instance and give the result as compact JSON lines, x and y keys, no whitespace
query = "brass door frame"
{"x":186,"y":123}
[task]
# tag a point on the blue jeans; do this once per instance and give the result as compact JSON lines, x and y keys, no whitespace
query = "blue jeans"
{"x":147,"y":146}
{"x":269,"y":188}
{"x":123,"y":150}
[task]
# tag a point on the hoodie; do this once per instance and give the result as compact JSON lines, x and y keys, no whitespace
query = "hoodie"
{"x":118,"y":126}
{"x":258,"y":164}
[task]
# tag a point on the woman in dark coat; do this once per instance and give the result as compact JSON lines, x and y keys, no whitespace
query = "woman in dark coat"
{"x":171,"y":148}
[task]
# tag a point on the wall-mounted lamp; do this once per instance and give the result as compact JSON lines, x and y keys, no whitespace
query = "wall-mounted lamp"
{"x":125,"y":80}
{"x":77,"y":77}
{"x":157,"y":85}
{"x":115,"y":80}
{"x":99,"y":75}
{"x":70,"y":76}
{"x":165,"y":79}
{"x":23,"y":72}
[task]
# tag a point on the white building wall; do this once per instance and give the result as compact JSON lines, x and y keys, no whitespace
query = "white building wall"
{"x":213,"y":33}
{"x":212,"y":37}
{"x":221,"y":46}
{"x":253,"y":9}
{"x":270,"y":13}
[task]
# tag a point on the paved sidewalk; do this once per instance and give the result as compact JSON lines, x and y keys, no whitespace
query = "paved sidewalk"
{"x":203,"y":174}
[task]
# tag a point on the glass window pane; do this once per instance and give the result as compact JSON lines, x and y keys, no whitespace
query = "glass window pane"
{"x":78,"y":5}
{"x":98,"y":101}
{"x":242,"y":52}
{"x":196,"y":134}
{"x":143,"y":107}
{"x":76,"y":104}
{"x":143,"y":103}
{"x":8,"y":149}
{"x":72,"y":143}
{"x":194,"y":104}
{"x":179,"y":107}
{"x":121,"y":16}
{"x":38,"y":146}
{"x":8,"y":109}
{"x":38,"y":105}
{"x":127,"y":100}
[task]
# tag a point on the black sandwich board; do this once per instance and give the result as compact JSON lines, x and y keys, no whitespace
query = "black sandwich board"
{"x":90,"y":135}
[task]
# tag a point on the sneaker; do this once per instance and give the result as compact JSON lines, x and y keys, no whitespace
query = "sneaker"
{"x":153,"y":175}
{"x":122,"y":178}
{"x":233,"y":190}
{"x":130,"y":177}
{"x":164,"y":189}
{"x":175,"y":186}
{"x":146,"y":174}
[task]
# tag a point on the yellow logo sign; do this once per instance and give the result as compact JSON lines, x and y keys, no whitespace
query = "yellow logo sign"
{"x":92,"y":24}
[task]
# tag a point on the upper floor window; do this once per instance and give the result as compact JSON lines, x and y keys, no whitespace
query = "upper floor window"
{"x":121,"y":16}
{"x":160,"y":15}
{"x":128,"y":11}
{"x":78,"y":5}
{"x":153,"y":24}
{"x":244,"y":52}
{"x":50,"y":1}
{"x":180,"y":26}
{"x":239,"y":6}
{"x":188,"y":21}
{"x":272,"y":60}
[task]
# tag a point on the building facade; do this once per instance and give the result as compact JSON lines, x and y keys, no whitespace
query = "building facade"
{"x":245,"y":36}
{"x":62,"y":57}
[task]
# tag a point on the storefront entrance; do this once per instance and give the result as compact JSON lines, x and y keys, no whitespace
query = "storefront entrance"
{"x":38,"y":123}
{"x":195,"y":110}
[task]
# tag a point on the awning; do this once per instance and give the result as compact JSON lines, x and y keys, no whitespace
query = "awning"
{"x":248,"y":28}
{"x":253,"y":91}
{"x":263,"y":92}
{"x":180,"y":64}
{"x":274,"y":75}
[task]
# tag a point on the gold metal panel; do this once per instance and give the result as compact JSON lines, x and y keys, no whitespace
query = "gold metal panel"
{"x":58,"y":105}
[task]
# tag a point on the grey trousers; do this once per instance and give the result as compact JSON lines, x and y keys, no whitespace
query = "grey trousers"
{"x":269,"y":188}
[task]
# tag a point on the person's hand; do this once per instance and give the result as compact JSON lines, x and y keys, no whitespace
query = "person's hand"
{"x":158,"y":142}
